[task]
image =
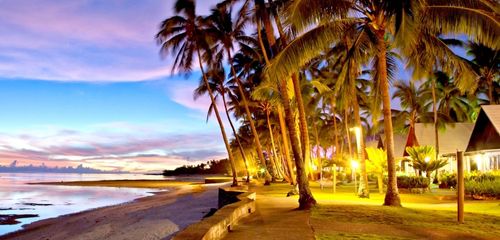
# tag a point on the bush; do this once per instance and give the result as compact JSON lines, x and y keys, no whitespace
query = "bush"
{"x":480,"y":177}
{"x":481,"y":189}
{"x":448,"y":180}
{"x":477,"y":184}
{"x":412,"y":182}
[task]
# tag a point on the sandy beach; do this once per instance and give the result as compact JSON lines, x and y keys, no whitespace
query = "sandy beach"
{"x":153,"y":217}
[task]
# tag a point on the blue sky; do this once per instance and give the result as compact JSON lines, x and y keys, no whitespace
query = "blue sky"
{"x":82,"y":81}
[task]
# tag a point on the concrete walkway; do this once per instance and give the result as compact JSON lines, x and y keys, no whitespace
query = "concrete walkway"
{"x":275,"y":218}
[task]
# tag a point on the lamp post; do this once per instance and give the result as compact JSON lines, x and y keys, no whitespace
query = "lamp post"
{"x":354,"y":165}
{"x":357,"y":133}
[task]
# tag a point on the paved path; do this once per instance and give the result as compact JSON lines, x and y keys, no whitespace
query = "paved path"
{"x":275,"y":218}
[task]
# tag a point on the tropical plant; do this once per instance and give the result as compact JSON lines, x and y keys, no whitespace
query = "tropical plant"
{"x":226,"y":33}
{"x":377,"y":164}
{"x":412,"y":25}
{"x":486,"y":63}
{"x":217,"y":81}
{"x":423,"y":159}
{"x":184,"y":36}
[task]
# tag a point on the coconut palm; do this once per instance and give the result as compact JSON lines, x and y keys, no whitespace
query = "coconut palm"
{"x":184,"y":35}
{"x":405,"y":23}
{"x":228,"y":32}
{"x":413,"y":106}
{"x":216,"y":78}
{"x":486,"y":62}
{"x":306,"y":199}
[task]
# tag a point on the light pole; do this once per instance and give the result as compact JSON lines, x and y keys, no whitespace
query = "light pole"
{"x":354,"y":165}
{"x":357,"y":133}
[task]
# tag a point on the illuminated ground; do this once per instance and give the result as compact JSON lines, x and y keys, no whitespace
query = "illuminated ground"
{"x":345,"y":216}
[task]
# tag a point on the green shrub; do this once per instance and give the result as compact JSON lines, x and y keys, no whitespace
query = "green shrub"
{"x":477,"y":184}
{"x":484,"y":188}
{"x":448,"y":180}
{"x":412,"y":182}
{"x":480,"y":177}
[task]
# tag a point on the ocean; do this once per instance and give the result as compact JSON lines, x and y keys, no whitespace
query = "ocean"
{"x":48,"y":201}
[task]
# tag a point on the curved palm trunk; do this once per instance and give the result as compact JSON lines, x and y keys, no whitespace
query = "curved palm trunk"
{"x":281,"y":118}
{"x":336,"y":136}
{"x":392,"y":194}
{"x":306,"y":199}
{"x":286,"y":147}
{"x":284,"y":164}
{"x":336,"y":139}
{"x":304,"y":132}
{"x":219,"y":120}
{"x":346,"y":120}
{"x":240,"y":147}
{"x":277,"y":173}
{"x":363,"y":190}
{"x":248,"y":115}
{"x":434,"y":110}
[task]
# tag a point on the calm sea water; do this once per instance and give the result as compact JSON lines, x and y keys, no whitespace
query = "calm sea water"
{"x":17,"y":197}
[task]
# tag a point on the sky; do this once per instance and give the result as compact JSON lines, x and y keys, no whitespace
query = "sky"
{"x":82,"y":82}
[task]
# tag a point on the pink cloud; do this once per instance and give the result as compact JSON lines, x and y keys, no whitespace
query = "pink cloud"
{"x":83,"y":40}
{"x":140,"y":151}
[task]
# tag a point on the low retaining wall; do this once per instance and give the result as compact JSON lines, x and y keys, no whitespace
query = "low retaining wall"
{"x":218,"y":225}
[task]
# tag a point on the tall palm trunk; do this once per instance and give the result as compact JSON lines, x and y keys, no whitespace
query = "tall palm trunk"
{"x":363,"y":190}
{"x":280,"y":113}
{"x":434,"y":110}
{"x":240,"y":147}
{"x":219,"y":120}
{"x":286,"y":147}
{"x":306,"y":199}
{"x":284,"y":164}
{"x":348,"y":136}
{"x":275,"y":155}
{"x":336,"y":142}
{"x":336,"y":136}
{"x":304,"y":132}
{"x":248,"y":114}
{"x":392,"y":194}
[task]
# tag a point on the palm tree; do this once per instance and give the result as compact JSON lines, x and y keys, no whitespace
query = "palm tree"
{"x":227,"y":33}
{"x":216,"y":77}
{"x":380,"y":23}
{"x":306,"y":199}
{"x":184,"y":36}
{"x":413,"y":105}
{"x":486,"y":62}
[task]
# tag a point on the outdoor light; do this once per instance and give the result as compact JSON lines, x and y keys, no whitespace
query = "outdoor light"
{"x":427,"y":159}
{"x":314,"y":167}
{"x":354,"y":164}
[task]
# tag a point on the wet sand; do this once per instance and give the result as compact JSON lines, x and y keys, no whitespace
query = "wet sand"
{"x":153,"y":217}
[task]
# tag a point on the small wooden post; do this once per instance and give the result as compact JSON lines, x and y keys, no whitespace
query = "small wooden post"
{"x":461,"y":187}
{"x":334,"y":178}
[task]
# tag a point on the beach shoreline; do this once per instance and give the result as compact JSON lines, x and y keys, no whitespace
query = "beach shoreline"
{"x":152,"y":217}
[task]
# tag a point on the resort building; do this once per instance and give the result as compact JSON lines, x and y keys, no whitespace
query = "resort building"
{"x":484,"y":143}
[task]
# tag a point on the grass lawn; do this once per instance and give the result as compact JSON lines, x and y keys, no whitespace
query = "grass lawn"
{"x":430,"y":215}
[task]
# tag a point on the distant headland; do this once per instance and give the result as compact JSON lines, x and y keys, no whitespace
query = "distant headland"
{"x":15,"y":168}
